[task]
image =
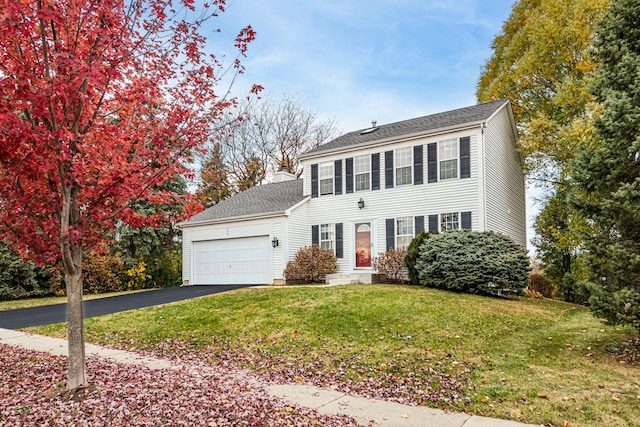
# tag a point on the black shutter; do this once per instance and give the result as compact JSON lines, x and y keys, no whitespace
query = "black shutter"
{"x":432,"y":162}
{"x":419,"y":225}
{"x":314,"y":180}
{"x":465,"y":157}
{"x":315,"y":235}
{"x":375,"y":171}
{"x":348,"y":174}
{"x":465,"y":220}
{"x":418,"y":168}
{"x":433,"y":223}
{"x":337,"y":173}
{"x":388,"y":169}
{"x":391,"y":233}
{"x":339,"y":241}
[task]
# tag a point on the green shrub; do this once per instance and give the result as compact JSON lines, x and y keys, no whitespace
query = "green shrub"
{"x":541,"y":283}
{"x":391,"y":265}
{"x":166,"y":270}
{"x":485,"y":263}
{"x":20,"y":278}
{"x":411,"y":257}
{"x":311,"y":264}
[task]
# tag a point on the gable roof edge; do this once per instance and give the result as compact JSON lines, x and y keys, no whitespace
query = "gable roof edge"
{"x":186,"y":224}
{"x":395,"y":139}
{"x":297,"y":205}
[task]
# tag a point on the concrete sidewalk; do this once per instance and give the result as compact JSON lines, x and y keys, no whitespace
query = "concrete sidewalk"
{"x":383,"y":413}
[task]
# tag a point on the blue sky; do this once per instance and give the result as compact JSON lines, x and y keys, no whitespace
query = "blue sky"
{"x":356,"y":60}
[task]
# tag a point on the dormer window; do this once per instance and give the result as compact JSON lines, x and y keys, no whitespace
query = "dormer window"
{"x":326,"y":178}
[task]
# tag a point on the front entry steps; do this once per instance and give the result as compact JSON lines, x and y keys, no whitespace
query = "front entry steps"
{"x":349,"y":278}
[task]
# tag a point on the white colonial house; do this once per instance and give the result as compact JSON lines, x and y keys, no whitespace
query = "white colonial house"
{"x":365,"y":192}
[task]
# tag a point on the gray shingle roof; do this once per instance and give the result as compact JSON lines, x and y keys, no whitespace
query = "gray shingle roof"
{"x":256,"y":201}
{"x":474,"y":114}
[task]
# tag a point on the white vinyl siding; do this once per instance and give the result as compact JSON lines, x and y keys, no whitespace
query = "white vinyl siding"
{"x":404,"y":232}
{"x":362,"y":172}
{"x":327,"y":237}
{"x":404,"y":166}
{"x":504,"y":180}
{"x":326,"y":178}
{"x":448,"y":158}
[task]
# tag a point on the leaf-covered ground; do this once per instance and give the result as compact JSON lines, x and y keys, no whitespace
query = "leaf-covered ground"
{"x":32,"y":394}
{"x":441,"y":381}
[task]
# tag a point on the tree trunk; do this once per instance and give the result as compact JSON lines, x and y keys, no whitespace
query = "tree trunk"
{"x":75,"y":327}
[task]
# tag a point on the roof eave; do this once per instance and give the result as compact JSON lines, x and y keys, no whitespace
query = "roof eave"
{"x":188,"y":224}
{"x":394,"y":139}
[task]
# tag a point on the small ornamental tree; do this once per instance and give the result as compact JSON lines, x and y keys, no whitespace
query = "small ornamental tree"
{"x":101,"y":104}
{"x":390,"y":264}
{"x":311,"y":265}
{"x":411,"y":257}
{"x":485,"y":263}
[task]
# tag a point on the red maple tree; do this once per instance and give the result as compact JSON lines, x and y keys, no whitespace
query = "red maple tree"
{"x":101,"y":103}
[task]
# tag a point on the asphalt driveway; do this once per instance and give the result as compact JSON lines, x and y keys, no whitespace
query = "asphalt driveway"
{"x":48,"y":314}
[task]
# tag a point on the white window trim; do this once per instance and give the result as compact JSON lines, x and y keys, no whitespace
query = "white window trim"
{"x":457,"y":158}
{"x":458,"y":220}
{"x":355,"y":174}
{"x":412,"y":234}
{"x":395,"y":166}
{"x":322,"y":177}
{"x":332,"y":233}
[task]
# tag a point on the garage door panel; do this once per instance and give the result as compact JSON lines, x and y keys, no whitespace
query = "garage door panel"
{"x":232,"y":261}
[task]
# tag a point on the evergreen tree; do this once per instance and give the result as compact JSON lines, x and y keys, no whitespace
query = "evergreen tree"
{"x":607,"y":172}
{"x":215,"y":185}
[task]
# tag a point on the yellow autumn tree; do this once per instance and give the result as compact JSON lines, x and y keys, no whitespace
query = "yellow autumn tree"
{"x":542,"y":62}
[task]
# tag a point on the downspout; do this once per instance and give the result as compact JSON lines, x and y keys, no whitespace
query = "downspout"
{"x":484,"y":177}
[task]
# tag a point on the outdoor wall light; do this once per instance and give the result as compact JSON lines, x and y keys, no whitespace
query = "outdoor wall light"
{"x":361,"y":203}
{"x":275,"y":242}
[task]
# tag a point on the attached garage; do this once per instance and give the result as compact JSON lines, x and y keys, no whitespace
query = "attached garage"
{"x":245,"y":239}
{"x":242,"y":261}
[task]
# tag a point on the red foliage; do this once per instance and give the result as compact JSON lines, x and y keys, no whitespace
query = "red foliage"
{"x":101,"y":103}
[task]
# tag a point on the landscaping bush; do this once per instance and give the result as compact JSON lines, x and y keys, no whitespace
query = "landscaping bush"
{"x":311,"y":264}
{"x":20,"y":278}
{"x":102,"y":272}
{"x":485,"y":263}
{"x":391,"y":265}
{"x":412,"y":256}
{"x":541,"y":283}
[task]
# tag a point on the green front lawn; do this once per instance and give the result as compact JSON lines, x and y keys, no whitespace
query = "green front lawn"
{"x":537,"y":361}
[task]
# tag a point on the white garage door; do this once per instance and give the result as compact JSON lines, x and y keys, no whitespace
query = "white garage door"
{"x":243,"y":261}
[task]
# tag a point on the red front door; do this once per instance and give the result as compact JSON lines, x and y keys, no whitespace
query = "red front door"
{"x":363,"y":244}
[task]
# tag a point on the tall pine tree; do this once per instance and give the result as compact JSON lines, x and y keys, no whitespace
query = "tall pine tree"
{"x":607,"y":172}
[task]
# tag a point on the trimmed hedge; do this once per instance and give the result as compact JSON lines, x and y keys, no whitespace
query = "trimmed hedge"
{"x":485,"y":263}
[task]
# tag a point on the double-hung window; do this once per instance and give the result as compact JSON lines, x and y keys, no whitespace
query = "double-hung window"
{"x":404,"y":232}
{"x":327,"y":237}
{"x":404,"y":166}
{"x":326,"y":178}
{"x":448,"y":156}
{"x":449,"y":221}
{"x":362,"y":172}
